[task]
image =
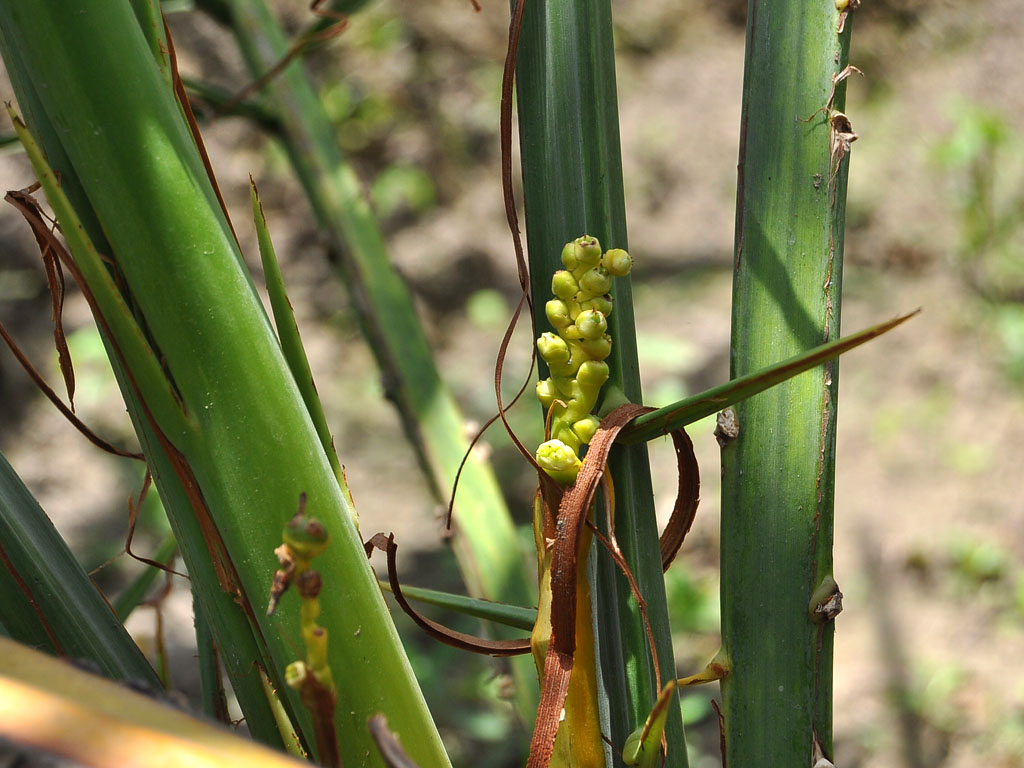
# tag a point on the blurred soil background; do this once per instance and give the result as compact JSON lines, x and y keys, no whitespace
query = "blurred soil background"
{"x":929,"y":663}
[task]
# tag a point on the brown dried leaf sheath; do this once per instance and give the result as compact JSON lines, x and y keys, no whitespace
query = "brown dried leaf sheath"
{"x":571,"y":518}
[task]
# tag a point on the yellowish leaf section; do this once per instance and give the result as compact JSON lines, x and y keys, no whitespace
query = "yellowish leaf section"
{"x":48,"y":704}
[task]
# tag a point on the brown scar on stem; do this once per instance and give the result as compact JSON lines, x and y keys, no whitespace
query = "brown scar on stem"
{"x":721,"y":729}
{"x":818,"y":758}
{"x":826,"y":601}
{"x":727,"y":427}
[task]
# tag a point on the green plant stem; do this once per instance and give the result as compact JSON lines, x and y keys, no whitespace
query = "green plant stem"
{"x":572,"y":183}
{"x":778,"y":473}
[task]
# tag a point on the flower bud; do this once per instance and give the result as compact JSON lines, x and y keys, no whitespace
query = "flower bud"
{"x":558,"y":313}
{"x":617,"y":262}
{"x":591,"y":324}
{"x":559,"y":461}
{"x":586,"y":428}
{"x":564,"y":285}
{"x":295,"y":674}
{"x":568,"y":388}
{"x":306,"y":536}
{"x":570,"y":258}
{"x":553,"y":349}
{"x":588,"y":252}
{"x":595,"y":282}
{"x":546,"y":392}
{"x":309,"y":584}
{"x":602,"y":304}
{"x":597,"y":349}
{"x":571,"y":332}
{"x":593,"y":373}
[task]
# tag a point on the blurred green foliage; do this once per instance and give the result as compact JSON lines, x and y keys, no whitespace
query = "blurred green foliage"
{"x":984,"y":157}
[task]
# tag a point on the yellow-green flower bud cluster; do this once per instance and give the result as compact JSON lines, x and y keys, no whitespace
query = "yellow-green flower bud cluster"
{"x":575,"y":354}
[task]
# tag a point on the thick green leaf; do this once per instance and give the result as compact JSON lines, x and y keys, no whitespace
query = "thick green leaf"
{"x":247,"y":448}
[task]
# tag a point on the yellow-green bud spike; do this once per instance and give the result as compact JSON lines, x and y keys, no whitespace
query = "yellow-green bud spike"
{"x":566,"y":435}
{"x":564,"y":285}
{"x":597,"y":349}
{"x":588,"y":252}
{"x":553,"y":349}
{"x":557,"y":312}
{"x":595,"y":282}
{"x":575,"y":355}
{"x":617,"y":262}
{"x":591,"y":324}
{"x":586,"y":428}
{"x":559,"y":461}
{"x":592,"y":374}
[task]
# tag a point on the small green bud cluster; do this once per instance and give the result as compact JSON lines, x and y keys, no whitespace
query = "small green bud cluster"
{"x":303,"y":538}
{"x":576,"y":353}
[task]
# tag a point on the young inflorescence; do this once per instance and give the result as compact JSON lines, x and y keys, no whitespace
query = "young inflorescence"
{"x":576,"y":353}
{"x":304,"y":537}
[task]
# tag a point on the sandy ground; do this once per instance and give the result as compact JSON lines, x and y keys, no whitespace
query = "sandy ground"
{"x":929,"y":536}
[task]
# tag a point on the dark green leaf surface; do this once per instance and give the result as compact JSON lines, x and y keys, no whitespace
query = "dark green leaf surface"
{"x":49,"y":602}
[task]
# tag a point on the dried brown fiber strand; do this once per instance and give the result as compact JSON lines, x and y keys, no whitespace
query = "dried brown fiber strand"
{"x":437,"y":631}
{"x":387,"y":742}
{"x":525,"y":300}
{"x":23,"y":201}
{"x":30,"y":209}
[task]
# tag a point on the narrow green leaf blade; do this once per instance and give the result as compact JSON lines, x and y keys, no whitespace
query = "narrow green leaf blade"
{"x":662,"y":421}
{"x":500,"y":613}
{"x":288,"y":335}
{"x":49,"y":601}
